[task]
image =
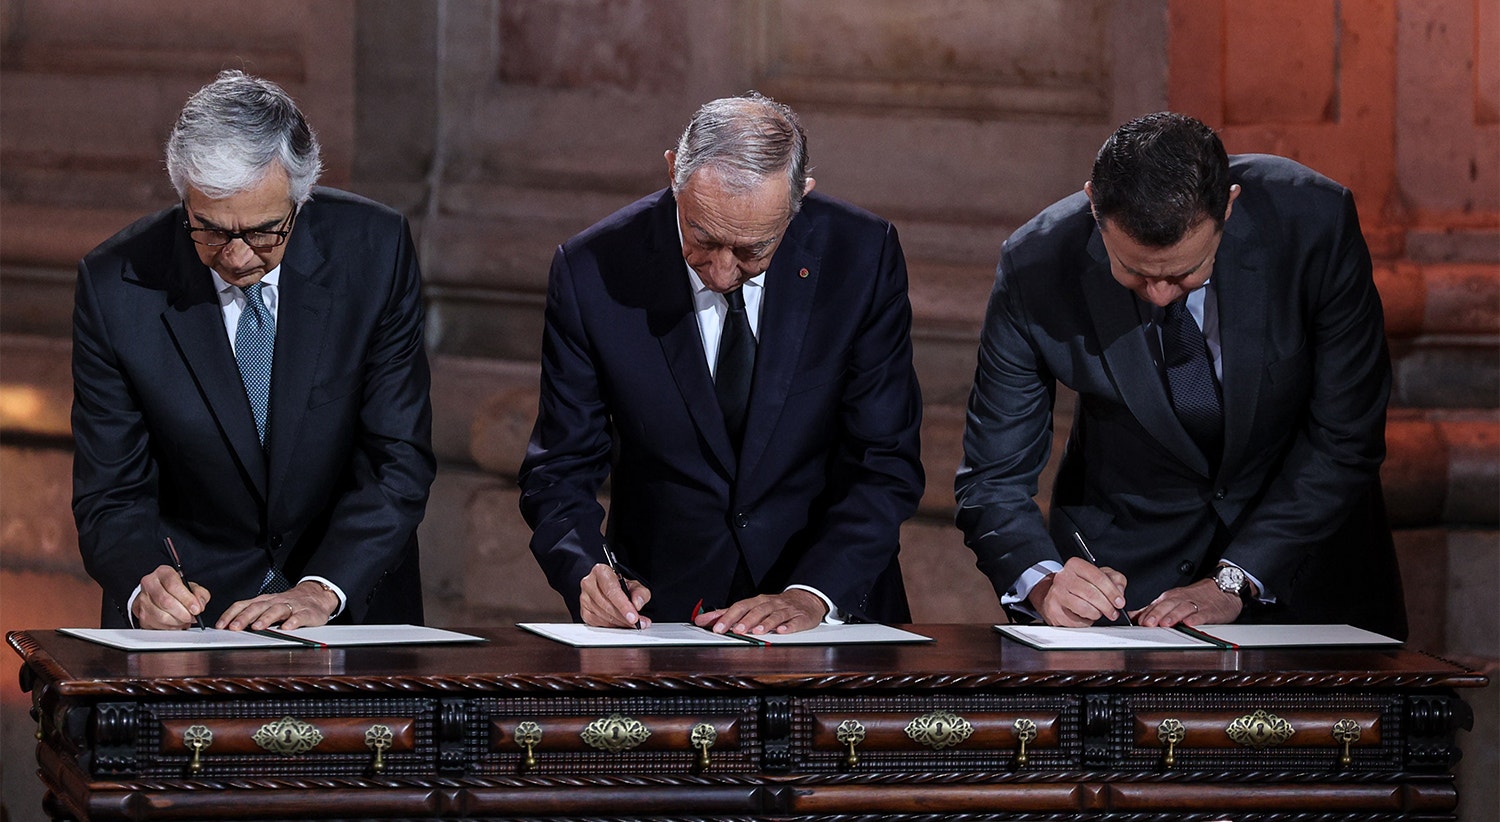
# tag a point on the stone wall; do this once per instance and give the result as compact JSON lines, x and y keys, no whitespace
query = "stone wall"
{"x":503,"y":127}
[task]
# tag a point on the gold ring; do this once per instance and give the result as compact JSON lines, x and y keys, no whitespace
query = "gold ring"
{"x":1194,"y":604}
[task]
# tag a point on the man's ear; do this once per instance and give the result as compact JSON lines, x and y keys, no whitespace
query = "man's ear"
{"x":1234,"y":193}
{"x":671,"y":166}
{"x":808,"y":186}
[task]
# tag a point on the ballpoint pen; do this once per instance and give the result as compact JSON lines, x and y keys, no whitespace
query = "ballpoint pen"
{"x":614,"y":565}
{"x":1121,"y":617}
{"x":177,"y":566}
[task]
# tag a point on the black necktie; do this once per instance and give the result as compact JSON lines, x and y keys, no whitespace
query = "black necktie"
{"x":1190,"y":378}
{"x":735,"y":366}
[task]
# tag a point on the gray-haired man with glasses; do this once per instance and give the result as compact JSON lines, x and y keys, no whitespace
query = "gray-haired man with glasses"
{"x":251,"y":404}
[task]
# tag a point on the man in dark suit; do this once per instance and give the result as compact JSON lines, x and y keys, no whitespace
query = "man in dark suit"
{"x":734,"y":352}
{"x":250,"y":384}
{"x":1218,"y":320}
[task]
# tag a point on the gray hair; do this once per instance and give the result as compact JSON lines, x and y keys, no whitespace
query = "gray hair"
{"x":232,"y":130}
{"x":746,"y":139}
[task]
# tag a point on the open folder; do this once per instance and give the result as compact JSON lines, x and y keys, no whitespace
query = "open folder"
{"x":213,"y":639}
{"x":686,"y":633}
{"x":1202,"y":637}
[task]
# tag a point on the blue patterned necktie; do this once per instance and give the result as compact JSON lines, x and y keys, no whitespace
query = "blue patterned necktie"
{"x":254,"y":349}
{"x":736,"y":365}
{"x":1190,"y":378}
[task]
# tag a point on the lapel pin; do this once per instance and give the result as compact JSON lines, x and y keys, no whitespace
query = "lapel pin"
{"x":802,"y":273}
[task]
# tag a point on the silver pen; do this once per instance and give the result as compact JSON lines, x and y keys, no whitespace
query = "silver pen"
{"x":1123,"y":618}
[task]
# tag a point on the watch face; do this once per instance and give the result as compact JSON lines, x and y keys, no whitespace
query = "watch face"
{"x":1230,"y":579}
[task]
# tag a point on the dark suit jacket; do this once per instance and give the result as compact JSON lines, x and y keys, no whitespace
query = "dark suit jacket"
{"x":1295,"y":499}
{"x":829,"y":467}
{"x":166,"y":444}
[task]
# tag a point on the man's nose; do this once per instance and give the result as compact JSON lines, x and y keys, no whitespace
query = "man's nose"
{"x":1161,"y":293}
{"x":236,"y":252}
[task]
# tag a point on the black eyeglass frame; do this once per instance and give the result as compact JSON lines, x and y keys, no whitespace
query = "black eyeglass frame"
{"x":279,"y":235}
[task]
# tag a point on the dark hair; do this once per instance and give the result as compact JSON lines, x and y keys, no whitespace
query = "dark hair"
{"x":1160,"y":175}
{"x":747,"y":138}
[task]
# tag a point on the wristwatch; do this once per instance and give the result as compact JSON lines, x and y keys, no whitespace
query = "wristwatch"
{"x":1232,"y":580}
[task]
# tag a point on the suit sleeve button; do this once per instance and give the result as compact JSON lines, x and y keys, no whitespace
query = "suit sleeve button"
{"x":1185,"y":567}
{"x":741,"y":519}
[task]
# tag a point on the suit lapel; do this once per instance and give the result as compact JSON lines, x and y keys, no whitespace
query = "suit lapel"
{"x":671,"y":319}
{"x":1239,"y":285}
{"x":196,"y":323}
{"x":786,"y":309}
{"x":302,"y":328}
{"x":1128,"y":357}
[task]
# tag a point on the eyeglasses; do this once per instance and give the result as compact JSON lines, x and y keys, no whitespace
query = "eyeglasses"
{"x":259,"y":239}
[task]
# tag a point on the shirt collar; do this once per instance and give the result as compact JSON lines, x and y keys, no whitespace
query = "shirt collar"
{"x":272,"y":278}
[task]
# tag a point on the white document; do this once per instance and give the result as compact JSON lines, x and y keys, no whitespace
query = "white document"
{"x":1292,"y":636}
{"x":1203,"y":637}
{"x":1103,"y":637}
{"x":686,"y":633}
{"x":329,"y":636}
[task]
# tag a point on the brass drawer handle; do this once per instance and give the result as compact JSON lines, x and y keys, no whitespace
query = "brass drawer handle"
{"x":1171,"y":732}
{"x":1260,"y":730}
{"x":614,"y":733}
{"x":702,"y":738}
{"x":197,"y":738}
{"x":850,"y":732}
{"x":1347,"y":732}
{"x":378,"y":739}
{"x":528,"y":735}
{"x":288,"y":736}
{"x":939,"y":730}
{"x":1025,"y":732}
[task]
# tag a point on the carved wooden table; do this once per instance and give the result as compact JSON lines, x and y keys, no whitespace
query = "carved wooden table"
{"x":971,"y":727}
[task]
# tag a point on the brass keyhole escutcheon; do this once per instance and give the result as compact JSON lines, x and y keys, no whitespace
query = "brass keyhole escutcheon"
{"x":528,"y":736}
{"x":1025,"y":732}
{"x":197,"y":738}
{"x":1347,"y":732}
{"x":702,"y":738}
{"x":850,"y":732}
{"x":378,"y":739}
{"x":1171,"y":732}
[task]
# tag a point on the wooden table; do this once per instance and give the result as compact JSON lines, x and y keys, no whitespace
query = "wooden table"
{"x":973,"y":726}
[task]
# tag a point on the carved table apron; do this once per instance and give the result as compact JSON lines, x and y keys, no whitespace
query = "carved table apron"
{"x":972,"y":726}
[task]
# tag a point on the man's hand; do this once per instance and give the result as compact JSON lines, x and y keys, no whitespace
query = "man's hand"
{"x":305,"y":605}
{"x":784,"y":613}
{"x":601,"y":603}
{"x":1079,"y":594}
{"x":1201,"y":603}
{"x":166,"y":602}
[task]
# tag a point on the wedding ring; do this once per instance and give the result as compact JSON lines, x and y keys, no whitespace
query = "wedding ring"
{"x":1194,"y":604}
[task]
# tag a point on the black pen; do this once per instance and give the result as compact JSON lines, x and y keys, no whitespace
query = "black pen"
{"x":614,"y":565}
{"x":177,"y":566}
{"x":1122,"y":618}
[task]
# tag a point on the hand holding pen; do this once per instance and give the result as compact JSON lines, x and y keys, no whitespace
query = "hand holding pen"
{"x":167,"y":600}
{"x":606,"y":599}
{"x":1117,"y":592}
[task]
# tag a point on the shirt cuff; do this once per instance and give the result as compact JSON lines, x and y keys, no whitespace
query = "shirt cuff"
{"x":1016,"y":596}
{"x":834,"y":615}
{"x":130,"y":606}
{"x":337,"y":591}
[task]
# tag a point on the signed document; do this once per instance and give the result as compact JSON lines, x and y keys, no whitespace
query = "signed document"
{"x":686,"y":633}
